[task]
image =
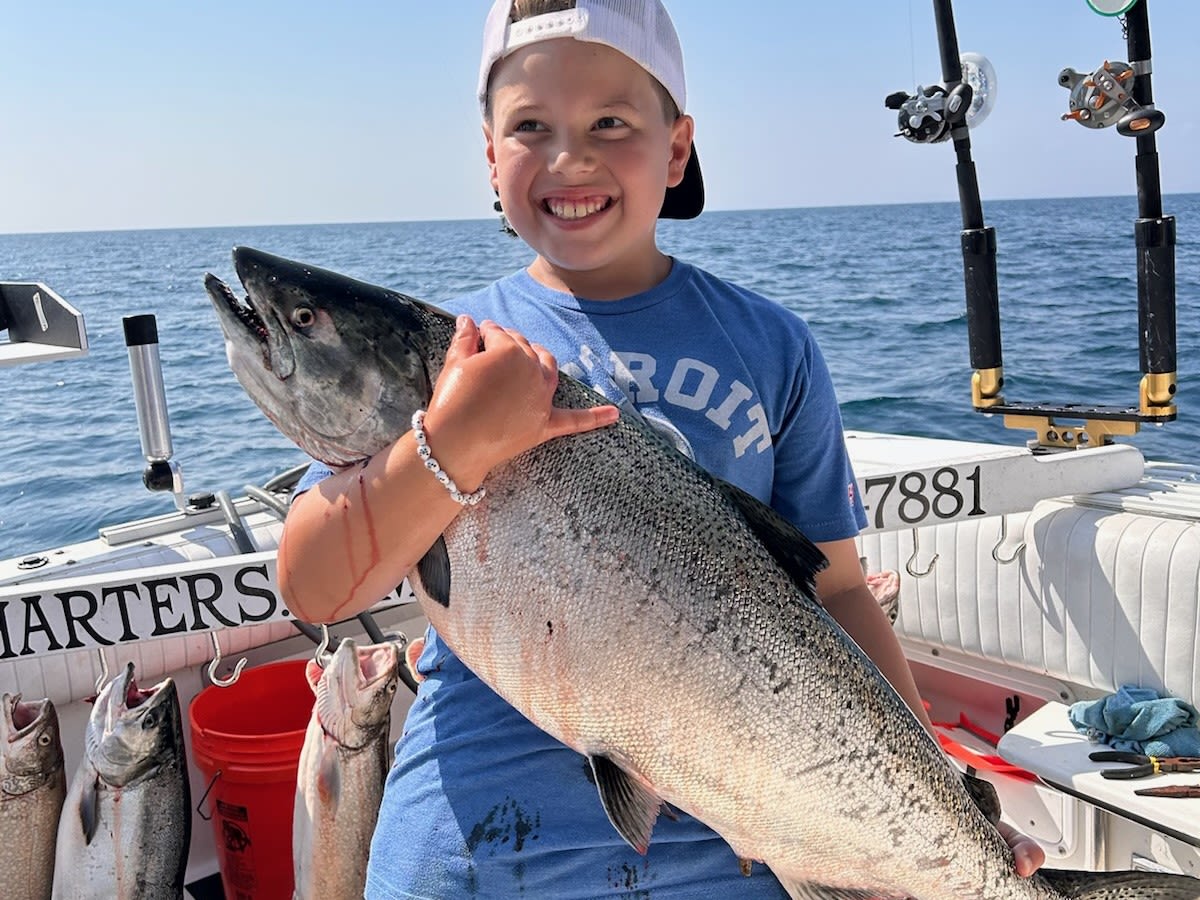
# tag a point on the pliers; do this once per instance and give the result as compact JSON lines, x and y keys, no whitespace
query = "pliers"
{"x":1143,"y":766}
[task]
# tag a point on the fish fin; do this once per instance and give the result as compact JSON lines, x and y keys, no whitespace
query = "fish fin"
{"x":630,"y":807}
{"x":434,"y":570}
{"x":412,"y":654}
{"x":796,"y":554}
{"x":329,"y":779}
{"x":985,"y":796}
{"x":89,"y":810}
{"x":1116,"y":885}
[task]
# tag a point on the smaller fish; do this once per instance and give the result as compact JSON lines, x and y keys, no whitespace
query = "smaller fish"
{"x":127,"y":819}
{"x":343,"y":763}
{"x":33,"y":784}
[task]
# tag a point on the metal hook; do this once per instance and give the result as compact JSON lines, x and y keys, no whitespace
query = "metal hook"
{"x":216,"y":661}
{"x":103,"y":677}
{"x":908,"y":566}
{"x":321,"y":657}
{"x":1003,"y":537}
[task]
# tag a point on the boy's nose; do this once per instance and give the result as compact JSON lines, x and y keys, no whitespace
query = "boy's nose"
{"x":571,"y":154}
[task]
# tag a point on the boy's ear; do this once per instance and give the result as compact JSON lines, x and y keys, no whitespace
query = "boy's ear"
{"x":683,"y":129}
{"x":491,"y":157}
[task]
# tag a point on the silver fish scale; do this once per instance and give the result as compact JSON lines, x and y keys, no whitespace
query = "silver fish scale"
{"x":606,"y":568}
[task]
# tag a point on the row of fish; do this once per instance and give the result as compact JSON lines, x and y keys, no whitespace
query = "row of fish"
{"x":122,"y":830}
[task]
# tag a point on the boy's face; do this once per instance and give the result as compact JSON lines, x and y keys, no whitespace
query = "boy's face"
{"x":581,"y":153}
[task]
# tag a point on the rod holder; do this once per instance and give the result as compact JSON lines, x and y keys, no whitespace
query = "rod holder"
{"x":150,"y":399}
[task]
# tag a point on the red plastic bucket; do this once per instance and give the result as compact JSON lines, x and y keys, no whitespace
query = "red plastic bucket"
{"x":246,"y":740}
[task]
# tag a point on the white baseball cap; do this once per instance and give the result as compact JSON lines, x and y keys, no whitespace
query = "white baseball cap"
{"x":640,"y":29}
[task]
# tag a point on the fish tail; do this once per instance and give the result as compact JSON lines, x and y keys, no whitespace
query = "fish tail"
{"x":1121,"y":885}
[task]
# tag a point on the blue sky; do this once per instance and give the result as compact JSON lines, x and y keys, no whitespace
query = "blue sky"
{"x":143,"y":115}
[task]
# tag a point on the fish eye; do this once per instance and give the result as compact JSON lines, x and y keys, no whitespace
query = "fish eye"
{"x":149,"y":720}
{"x":43,"y":740}
{"x":303,"y":317}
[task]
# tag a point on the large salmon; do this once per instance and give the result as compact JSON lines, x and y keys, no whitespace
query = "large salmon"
{"x":653,"y":618}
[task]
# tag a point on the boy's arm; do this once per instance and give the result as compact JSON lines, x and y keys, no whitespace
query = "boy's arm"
{"x":352,"y":538}
{"x":843,"y":591}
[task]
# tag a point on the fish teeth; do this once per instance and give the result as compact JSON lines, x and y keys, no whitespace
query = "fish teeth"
{"x":242,"y":308}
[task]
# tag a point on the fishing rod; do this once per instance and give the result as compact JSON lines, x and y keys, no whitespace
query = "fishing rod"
{"x":1115,"y":93}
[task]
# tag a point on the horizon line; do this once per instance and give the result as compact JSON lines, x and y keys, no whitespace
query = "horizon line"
{"x":352,"y":222}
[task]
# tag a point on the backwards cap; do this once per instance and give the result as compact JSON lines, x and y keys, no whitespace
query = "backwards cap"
{"x":640,"y":29}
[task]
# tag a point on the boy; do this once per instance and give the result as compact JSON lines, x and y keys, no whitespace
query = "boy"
{"x":588,"y":146}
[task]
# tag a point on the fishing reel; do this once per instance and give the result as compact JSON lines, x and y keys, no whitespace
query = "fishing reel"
{"x":1103,"y":98}
{"x":929,"y":115}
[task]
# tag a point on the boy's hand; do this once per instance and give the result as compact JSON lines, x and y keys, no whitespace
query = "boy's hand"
{"x":493,"y":403}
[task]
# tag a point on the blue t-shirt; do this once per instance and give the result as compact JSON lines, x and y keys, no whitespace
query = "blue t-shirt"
{"x":479,"y":801}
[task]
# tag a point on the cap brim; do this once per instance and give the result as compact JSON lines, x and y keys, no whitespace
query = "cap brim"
{"x":686,"y":199}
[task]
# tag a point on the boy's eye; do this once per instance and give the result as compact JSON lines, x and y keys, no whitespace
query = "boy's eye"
{"x":528,"y":125}
{"x":609,"y":122}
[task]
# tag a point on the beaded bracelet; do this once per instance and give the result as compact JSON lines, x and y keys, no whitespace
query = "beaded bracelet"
{"x":423,"y":451}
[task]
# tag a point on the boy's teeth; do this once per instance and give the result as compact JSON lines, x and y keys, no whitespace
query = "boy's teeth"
{"x":574,"y":209}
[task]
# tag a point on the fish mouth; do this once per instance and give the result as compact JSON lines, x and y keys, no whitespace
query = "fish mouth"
{"x":379,"y":664}
{"x":239,"y":311}
{"x":252,"y":324}
{"x":362,"y":672}
{"x":124,"y":697}
{"x":364,"y":667}
{"x":20,"y":717}
{"x":126,"y":694}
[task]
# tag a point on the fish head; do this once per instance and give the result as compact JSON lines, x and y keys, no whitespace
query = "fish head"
{"x":378,"y":678}
{"x":338,"y":365}
{"x":30,"y":746}
{"x":133,"y":731}
{"x":355,"y":694}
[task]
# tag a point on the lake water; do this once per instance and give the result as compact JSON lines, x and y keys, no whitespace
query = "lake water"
{"x":881,"y":287}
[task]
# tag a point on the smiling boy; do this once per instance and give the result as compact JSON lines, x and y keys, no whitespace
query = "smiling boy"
{"x":582,"y":148}
{"x":588,"y":146}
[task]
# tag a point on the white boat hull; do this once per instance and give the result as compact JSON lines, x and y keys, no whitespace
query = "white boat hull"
{"x":1059,"y":599}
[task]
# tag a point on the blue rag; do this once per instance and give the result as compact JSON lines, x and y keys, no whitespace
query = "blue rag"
{"x":1140,"y":720}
